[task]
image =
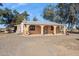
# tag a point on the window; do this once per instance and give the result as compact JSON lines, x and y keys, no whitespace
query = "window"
{"x":32,"y":27}
{"x":52,"y":27}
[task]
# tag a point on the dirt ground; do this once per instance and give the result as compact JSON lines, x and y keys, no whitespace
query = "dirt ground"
{"x":58,"y":45}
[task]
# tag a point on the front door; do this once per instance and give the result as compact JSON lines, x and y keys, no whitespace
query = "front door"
{"x":45,"y":30}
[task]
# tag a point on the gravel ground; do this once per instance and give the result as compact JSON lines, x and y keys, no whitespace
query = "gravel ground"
{"x":60,"y":45}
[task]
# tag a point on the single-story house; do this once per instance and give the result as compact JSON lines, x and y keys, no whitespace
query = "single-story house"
{"x":42,"y":28}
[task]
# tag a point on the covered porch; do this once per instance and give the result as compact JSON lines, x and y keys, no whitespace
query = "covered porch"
{"x":43,"y":29}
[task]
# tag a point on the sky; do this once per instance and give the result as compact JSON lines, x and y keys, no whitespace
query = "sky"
{"x":33,"y":9}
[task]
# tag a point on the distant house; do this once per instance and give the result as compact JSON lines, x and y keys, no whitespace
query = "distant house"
{"x":42,"y":28}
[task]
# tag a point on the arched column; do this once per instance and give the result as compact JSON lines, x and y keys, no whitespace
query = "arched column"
{"x":26,"y":29}
{"x":21,"y":28}
{"x":42,"y":29}
{"x":55,"y":30}
{"x":64,"y":30}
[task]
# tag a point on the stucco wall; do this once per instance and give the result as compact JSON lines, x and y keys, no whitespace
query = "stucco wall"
{"x":37,"y":30}
{"x":58,"y":29}
{"x":48,"y":28}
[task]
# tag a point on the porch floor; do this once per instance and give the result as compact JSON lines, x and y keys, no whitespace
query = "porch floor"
{"x":43,"y":34}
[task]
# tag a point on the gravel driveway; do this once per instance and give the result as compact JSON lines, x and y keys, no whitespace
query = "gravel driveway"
{"x":17,"y":45}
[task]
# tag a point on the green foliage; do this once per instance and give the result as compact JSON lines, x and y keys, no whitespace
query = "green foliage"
{"x":35,"y":19}
{"x":2,"y":22}
{"x":66,"y":13}
{"x":1,"y":4}
{"x":48,"y":13}
{"x":13,"y":16}
{"x":18,"y":18}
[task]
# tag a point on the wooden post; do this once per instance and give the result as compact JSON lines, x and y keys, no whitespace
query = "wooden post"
{"x":42,"y":29}
{"x":26,"y":29}
{"x":22,"y":25}
{"x":64,"y":30}
{"x":55,"y":30}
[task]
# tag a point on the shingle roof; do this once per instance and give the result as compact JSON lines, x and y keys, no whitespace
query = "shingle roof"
{"x":40,"y":23}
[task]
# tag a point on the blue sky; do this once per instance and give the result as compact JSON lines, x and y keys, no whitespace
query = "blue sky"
{"x":33,"y":9}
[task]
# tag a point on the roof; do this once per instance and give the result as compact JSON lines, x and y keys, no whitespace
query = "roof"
{"x":40,"y":23}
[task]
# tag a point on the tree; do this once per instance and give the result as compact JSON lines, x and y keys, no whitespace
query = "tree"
{"x":15,"y":12}
{"x":62,"y":11}
{"x":8,"y":14}
{"x":52,"y":13}
{"x":77,"y":27}
{"x":13,"y":17}
{"x":66,"y":13}
{"x":25,"y":14}
{"x":48,"y":13}
{"x":35,"y":19}
{"x":2,"y":18}
{"x":57,"y":19}
{"x":18,"y":18}
{"x":1,"y":4}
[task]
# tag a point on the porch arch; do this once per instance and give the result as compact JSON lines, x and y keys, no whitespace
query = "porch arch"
{"x":48,"y":29}
{"x":35,"y":29}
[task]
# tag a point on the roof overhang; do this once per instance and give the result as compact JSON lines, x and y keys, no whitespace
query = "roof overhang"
{"x":42,"y":23}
